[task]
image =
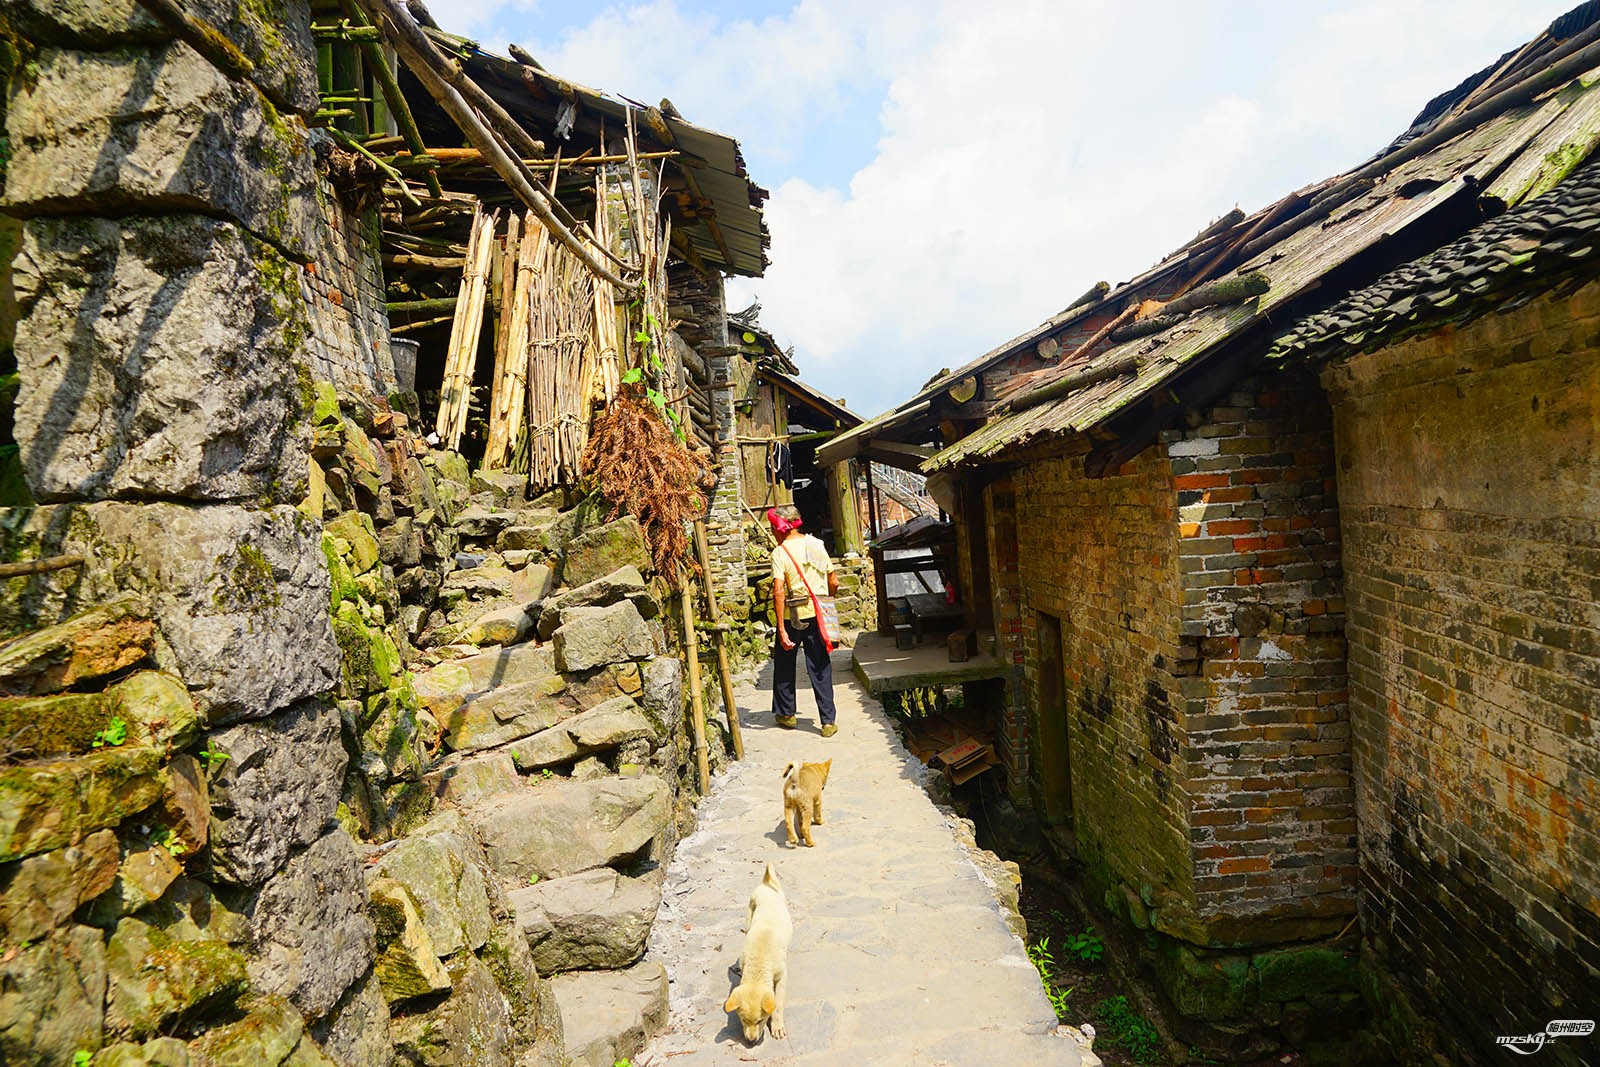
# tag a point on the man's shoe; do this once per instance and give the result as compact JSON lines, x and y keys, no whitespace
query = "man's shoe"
{"x":788,"y":722}
{"x":829,"y":730}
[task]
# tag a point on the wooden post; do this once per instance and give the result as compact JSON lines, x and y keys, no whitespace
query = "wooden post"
{"x":846,"y":510}
{"x":719,"y":637}
{"x":691,"y":647}
{"x":872,"y":504}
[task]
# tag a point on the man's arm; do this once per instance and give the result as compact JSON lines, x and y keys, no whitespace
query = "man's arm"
{"x":780,"y":598}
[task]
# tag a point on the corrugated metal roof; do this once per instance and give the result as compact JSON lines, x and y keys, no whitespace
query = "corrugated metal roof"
{"x":1506,"y":156}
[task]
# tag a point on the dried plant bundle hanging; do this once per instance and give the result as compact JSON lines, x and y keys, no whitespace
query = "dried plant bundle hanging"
{"x":642,"y":467}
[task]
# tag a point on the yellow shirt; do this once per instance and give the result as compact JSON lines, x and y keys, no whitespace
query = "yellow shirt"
{"x":814,"y":564}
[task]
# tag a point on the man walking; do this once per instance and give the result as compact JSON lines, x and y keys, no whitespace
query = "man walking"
{"x":800,"y":571}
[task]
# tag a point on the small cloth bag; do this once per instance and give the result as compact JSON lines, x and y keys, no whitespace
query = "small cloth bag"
{"x":827,"y":611}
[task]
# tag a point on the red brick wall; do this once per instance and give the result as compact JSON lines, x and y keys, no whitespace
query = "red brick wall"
{"x":1470,"y":480}
{"x":1263,"y":686}
{"x":1101,"y":555}
{"x":1199,"y":594}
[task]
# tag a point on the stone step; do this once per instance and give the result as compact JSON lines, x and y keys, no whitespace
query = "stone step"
{"x":470,"y":779}
{"x":596,"y":920}
{"x":561,"y":827}
{"x":446,"y":687}
{"x":602,"y":728}
{"x":608,"y":1016}
{"x":622,"y":583}
{"x":504,"y":714}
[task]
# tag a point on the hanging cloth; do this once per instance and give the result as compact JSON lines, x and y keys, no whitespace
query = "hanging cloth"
{"x":780,"y":464}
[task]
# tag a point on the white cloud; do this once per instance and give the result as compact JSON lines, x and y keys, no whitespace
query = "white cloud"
{"x":1027,"y":148}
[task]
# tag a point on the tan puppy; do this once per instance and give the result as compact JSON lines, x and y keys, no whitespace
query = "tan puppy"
{"x":802,"y":798}
{"x":763,"y":965}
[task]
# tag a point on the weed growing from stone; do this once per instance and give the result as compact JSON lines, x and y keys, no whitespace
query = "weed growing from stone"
{"x":115,"y":733}
{"x":212,"y":758}
{"x":81,"y":1058}
{"x":1126,"y":1027}
{"x":1042,"y":958}
{"x":165,"y":839}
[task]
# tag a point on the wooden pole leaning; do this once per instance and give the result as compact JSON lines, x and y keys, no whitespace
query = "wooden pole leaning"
{"x":719,"y":638}
{"x":691,"y":648}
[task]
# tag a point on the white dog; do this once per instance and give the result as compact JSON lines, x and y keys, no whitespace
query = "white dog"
{"x":763,"y":965}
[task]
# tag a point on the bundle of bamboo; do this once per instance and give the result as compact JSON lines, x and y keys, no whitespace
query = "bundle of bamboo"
{"x":461,"y":357}
{"x":560,"y":365}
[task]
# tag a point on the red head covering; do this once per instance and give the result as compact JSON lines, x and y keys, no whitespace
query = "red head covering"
{"x":781,"y":525}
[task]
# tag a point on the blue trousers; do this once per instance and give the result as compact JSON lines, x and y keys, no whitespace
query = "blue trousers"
{"x":819,"y":668}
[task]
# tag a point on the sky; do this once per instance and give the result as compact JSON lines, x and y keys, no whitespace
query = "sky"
{"x":946,"y":175}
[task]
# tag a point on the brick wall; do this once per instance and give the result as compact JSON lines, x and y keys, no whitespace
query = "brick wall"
{"x":1101,"y":556}
{"x":1010,"y":628}
{"x":1199,"y":595}
{"x":725,"y":526}
{"x":1261,"y":673}
{"x":1469,"y":476}
{"x":348,"y":340}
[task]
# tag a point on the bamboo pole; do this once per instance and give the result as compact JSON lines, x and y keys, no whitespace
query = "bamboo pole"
{"x":408,"y":307}
{"x":497,"y":448}
{"x":39,"y":566}
{"x":430,"y":156}
{"x":449,"y":87}
{"x":422,"y":324}
{"x":384,"y":76}
{"x":462,"y":355}
{"x":719,"y":638}
{"x":691,"y":650}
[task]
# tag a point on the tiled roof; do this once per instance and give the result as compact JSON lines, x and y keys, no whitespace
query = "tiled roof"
{"x":1513,"y":141}
{"x":1534,"y":247}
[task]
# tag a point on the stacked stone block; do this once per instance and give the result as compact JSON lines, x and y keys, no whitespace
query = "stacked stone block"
{"x":163,"y":417}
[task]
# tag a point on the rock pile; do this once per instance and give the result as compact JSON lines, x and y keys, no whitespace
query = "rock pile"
{"x":526,"y":774}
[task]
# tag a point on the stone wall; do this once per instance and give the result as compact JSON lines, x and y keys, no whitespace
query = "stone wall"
{"x":196,"y":885}
{"x":1470,"y":489}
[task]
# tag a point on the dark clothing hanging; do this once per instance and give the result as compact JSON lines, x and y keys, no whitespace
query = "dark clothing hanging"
{"x":780,"y":464}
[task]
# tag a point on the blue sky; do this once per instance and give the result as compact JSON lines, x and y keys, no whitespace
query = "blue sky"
{"x":946,"y":175}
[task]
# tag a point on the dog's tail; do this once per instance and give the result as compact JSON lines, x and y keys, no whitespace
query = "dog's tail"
{"x":790,"y":769}
{"x":770,"y":878}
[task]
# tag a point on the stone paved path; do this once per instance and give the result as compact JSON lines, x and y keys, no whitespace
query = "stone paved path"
{"x":900,"y":954}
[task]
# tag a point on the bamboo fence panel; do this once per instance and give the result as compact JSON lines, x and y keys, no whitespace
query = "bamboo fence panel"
{"x":561,"y":326}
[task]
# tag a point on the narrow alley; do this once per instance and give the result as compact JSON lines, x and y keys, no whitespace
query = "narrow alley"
{"x":901,"y":953}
